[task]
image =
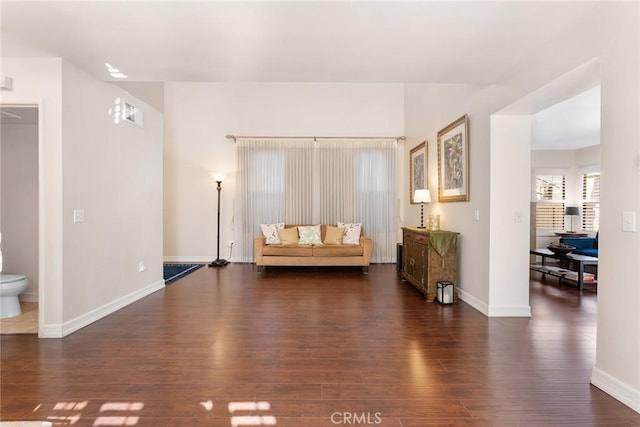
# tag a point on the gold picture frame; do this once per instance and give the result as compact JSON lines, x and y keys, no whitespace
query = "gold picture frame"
{"x":418,"y":178}
{"x":453,"y":161}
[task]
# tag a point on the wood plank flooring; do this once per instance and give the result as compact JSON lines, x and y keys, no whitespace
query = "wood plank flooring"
{"x":307,"y":348}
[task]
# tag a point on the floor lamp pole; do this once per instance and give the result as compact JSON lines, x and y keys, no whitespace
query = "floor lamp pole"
{"x":218,"y":262}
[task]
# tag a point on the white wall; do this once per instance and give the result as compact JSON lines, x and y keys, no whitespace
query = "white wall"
{"x":611,"y":34}
{"x":89,"y":270}
{"x":510,"y":177}
{"x":39,"y":81}
{"x":429,"y":108}
{"x":617,"y":369}
{"x":19,"y":216}
{"x":199,"y":115}
{"x":114,"y":173}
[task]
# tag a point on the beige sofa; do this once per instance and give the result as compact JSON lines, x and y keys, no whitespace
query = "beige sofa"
{"x":313,"y":255}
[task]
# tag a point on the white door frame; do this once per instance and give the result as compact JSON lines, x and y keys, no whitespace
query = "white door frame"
{"x":41,"y":246}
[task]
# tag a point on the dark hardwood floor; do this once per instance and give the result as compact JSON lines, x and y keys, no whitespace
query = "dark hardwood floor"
{"x":305,"y":348}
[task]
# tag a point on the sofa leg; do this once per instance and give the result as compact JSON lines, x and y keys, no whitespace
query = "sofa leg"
{"x":365,"y":269}
{"x":260,"y":268}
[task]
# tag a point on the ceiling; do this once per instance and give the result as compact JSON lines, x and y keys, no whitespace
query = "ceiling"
{"x":569,"y":125}
{"x":262,"y":41}
{"x":417,"y":41}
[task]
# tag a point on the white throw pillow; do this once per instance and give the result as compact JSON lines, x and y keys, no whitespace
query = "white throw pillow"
{"x":270,"y":231}
{"x":309,"y":235}
{"x":351,"y":232}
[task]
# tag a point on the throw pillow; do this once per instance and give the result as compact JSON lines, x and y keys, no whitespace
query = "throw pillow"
{"x":270,"y":231}
{"x":288,"y":236}
{"x":351,"y":232}
{"x":309,"y":235}
{"x":333,"y":235}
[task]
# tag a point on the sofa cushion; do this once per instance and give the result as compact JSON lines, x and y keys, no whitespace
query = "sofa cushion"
{"x":309,"y":235}
{"x":288,"y":236}
{"x":337,"y":250}
{"x":270,"y":231}
{"x":288,"y":250}
{"x":333,"y":235}
{"x":351,"y":233}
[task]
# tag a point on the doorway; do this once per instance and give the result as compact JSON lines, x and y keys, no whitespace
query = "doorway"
{"x":19,"y":208}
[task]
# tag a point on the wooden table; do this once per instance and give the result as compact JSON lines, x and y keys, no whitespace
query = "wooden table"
{"x":579,"y":260}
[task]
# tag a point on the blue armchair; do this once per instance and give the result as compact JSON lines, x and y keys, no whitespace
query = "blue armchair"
{"x":584,"y":245}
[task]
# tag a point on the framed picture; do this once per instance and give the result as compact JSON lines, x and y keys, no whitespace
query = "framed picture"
{"x":418,"y":169}
{"x":453,"y":162}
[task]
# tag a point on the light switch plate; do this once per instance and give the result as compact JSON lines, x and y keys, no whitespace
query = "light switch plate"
{"x":78,"y":215}
{"x":628,"y":221}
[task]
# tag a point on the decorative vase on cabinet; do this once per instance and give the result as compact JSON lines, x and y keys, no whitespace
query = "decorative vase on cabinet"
{"x":428,"y":257}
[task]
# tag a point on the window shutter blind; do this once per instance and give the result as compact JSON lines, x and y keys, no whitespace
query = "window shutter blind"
{"x":550,"y":193}
{"x":591,"y":201}
{"x":550,"y":216}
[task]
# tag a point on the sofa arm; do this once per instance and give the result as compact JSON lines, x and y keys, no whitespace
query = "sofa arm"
{"x":579,"y":242}
{"x":365,"y":241}
{"x":258,"y":245}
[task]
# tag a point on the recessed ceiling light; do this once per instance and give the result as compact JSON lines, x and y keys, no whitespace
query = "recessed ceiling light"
{"x":115,"y":73}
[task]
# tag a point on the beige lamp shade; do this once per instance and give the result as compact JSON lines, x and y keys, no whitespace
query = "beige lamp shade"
{"x":422,"y":196}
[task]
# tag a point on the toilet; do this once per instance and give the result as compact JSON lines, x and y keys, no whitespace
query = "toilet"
{"x":11,"y":285}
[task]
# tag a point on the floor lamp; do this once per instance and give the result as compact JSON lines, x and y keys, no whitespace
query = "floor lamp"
{"x":218,"y":177}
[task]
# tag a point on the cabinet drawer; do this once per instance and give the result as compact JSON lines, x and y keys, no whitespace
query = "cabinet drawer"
{"x":421,"y":238}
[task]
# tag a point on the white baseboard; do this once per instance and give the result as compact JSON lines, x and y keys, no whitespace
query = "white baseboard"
{"x":189,"y":259}
{"x":50,"y":331}
{"x":616,"y":388}
{"x":59,"y":331}
{"x":510,"y":311}
{"x":473,"y":302}
{"x":494,"y":311}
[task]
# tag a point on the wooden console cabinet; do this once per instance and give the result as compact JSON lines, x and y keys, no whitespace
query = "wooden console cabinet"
{"x":422,"y":265}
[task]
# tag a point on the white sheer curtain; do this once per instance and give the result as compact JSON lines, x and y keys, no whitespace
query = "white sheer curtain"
{"x":274,"y":185}
{"x":357,"y":183}
{"x":318,"y":181}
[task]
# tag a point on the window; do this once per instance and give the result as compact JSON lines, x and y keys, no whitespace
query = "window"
{"x":550,"y":194}
{"x":319,"y":181}
{"x":591,"y":201}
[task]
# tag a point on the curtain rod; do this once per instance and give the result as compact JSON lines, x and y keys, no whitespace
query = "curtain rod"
{"x":236,"y":137}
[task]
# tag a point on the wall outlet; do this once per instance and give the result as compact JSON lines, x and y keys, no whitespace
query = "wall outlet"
{"x":230,"y":243}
